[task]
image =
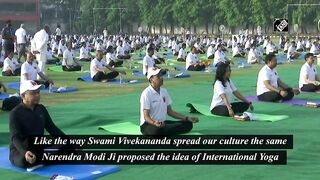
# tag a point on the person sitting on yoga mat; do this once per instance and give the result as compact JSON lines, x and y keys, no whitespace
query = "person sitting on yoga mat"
{"x":111,"y":58}
{"x":11,"y":66}
{"x":30,"y":70}
{"x":84,"y":52}
{"x":148,"y":61}
{"x":26,"y":119}
{"x":182,"y":53}
{"x":253,"y":55}
{"x":192,"y":61}
{"x":211,"y":50}
{"x":98,"y":72}
{"x":120,"y":52}
{"x":155,"y":105}
{"x":237,"y":51}
{"x":309,"y":80}
{"x":223,"y":91}
{"x":68,"y":63}
{"x":268,"y":83}
{"x":292,"y":53}
{"x":220,"y":56}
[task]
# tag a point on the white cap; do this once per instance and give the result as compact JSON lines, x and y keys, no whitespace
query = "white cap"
{"x":153,"y":71}
{"x":28,"y":86}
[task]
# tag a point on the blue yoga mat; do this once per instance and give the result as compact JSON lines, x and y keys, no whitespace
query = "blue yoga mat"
{"x":87,"y":78}
{"x":281,"y":57}
{"x":4,"y":96}
{"x":79,"y":172}
{"x":181,"y":75}
{"x":16,"y":86}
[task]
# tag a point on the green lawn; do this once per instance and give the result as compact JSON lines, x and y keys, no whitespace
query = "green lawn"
{"x":102,"y":104}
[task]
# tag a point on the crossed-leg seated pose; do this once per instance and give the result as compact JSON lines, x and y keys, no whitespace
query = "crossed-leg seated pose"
{"x":223,"y":91}
{"x":269,"y":83}
{"x":155,"y":105}
{"x":309,"y":80}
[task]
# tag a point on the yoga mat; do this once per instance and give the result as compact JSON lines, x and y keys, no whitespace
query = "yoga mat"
{"x":93,"y":54}
{"x":87,"y":78}
{"x":204,"y":109}
{"x":281,"y":57}
{"x":55,"y":68}
{"x":78,"y":172}
{"x":180,"y":75}
{"x":299,"y":102}
{"x":127,"y":128}
{"x":4,"y":96}
{"x":16,"y":86}
{"x":243,"y":64}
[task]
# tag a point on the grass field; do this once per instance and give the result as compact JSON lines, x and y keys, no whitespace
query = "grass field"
{"x":102,"y":104}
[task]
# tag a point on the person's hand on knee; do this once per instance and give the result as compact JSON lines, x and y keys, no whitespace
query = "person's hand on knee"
{"x":30,"y":157}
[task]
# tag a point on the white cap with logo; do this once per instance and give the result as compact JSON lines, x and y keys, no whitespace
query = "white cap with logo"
{"x":28,"y":86}
{"x":153,"y":71}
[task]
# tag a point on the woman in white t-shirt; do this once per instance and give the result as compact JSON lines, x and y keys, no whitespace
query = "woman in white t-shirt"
{"x":309,"y":80}
{"x":223,"y":91}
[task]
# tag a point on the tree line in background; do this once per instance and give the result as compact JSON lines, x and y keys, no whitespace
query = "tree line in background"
{"x":189,"y":14}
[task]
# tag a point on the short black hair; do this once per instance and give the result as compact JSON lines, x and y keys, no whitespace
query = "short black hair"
{"x":269,"y":57}
{"x":308,"y":55}
{"x":151,"y":48}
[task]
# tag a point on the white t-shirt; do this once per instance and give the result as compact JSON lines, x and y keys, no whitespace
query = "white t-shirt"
{"x":270,"y":48}
{"x":191,"y":59}
{"x":31,"y":69}
{"x":41,"y":39}
{"x":252,"y":56}
{"x":21,"y":34}
{"x":266,"y":74}
{"x":314,"y":49}
{"x":58,"y":32}
{"x":111,"y":57}
{"x":69,"y":56}
{"x":156,"y":103}
{"x":7,"y":63}
{"x":120,"y":51}
{"x":309,"y":71}
{"x":84,"y":52}
{"x":218,"y":57}
{"x":95,"y":63}
{"x":182,"y":54}
{"x":61,"y":48}
{"x":291,"y":50}
{"x":235,"y":51}
{"x":210,"y":51}
{"x":149,"y":62}
{"x":219,"y":89}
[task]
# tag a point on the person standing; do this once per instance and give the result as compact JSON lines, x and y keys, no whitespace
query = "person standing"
{"x":8,"y":38}
{"x":21,"y":42}
{"x":41,"y":39}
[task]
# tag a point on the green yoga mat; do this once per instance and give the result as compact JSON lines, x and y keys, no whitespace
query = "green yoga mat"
{"x":128,"y":128}
{"x":93,"y":54}
{"x":55,"y":68}
{"x":203,"y":109}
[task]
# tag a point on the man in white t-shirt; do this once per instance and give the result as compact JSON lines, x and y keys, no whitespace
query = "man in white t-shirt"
{"x":211,"y":51}
{"x":68,"y":62}
{"x":99,"y":73}
{"x":58,"y":33}
{"x":21,"y":41}
{"x":219,"y":56}
{"x":148,"y":61}
{"x":41,"y":39}
{"x":192,"y":61}
{"x":292,"y":54}
{"x":182,"y":53}
{"x":11,"y":67}
{"x":269,"y":86}
{"x":120,"y":52}
{"x":155,"y":105}
{"x":253,"y":55}
{"x":84,"y":53}
{"x":309,"y":79}
{"x":30,"y":70}
{"x":237,"y":51}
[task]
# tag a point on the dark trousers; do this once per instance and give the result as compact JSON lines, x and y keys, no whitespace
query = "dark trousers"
{"x":72,"y":68}
{"x":85,"y":59}
{"x":124,"y":57}
{"x":211,"y":56}
{"x":237,"y":107}
{"x":170,"y":128}
{"x":9,"y":73}
{"x":115,"y":64}
{"x":272,"y":96}
{"x":8,"y":47}
{"x":196,"y":68}
{"x":100,"y":76}
{"x":310,"y":88}
{"x":181,"y":60}
{"x":159,"y":61}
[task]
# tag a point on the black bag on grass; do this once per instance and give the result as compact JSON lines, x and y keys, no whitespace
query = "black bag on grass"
{"x":9,"y":103}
